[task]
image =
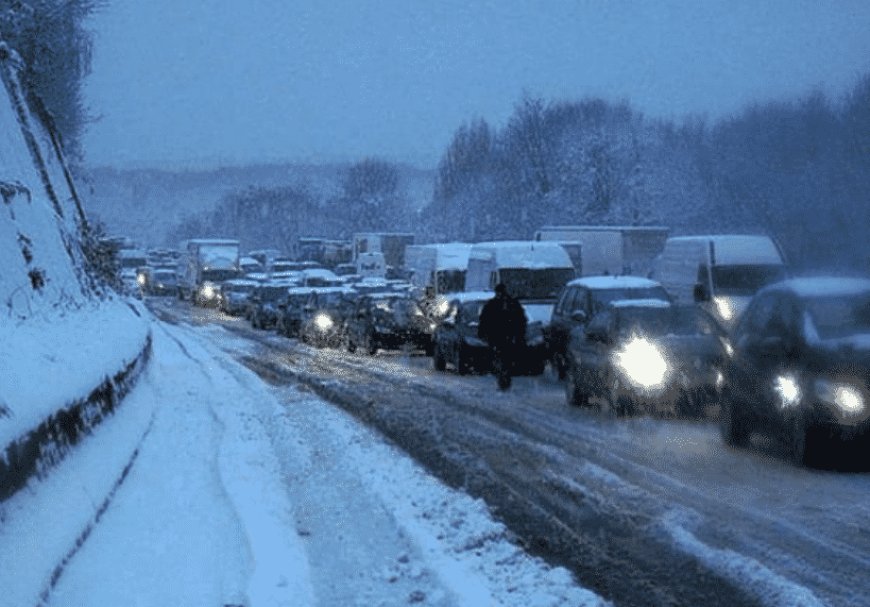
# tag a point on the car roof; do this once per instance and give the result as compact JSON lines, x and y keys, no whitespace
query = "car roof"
{"x":821,"y":286}
{"x":467,"y":296}
{"x":640,"y":303}
{"x":614,"y":282}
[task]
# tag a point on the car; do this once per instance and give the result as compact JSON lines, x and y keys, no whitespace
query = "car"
{"x":582,"y":298}
{"x":387,"y":321}
{"x":800,"y":367}
{"x":234,"y":295}
{"x":324,"y":314}
{"x":647,"y":355}
{"x":292,"y":310}
{"x":262,"y":310}
{"x":162,"y":281}
{"x":455,"y":341}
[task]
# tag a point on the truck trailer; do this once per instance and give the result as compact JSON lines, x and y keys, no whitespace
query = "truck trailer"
{"x":205,"y":263}
{"x":614,"y":250}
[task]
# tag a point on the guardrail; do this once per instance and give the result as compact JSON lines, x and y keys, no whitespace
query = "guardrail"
{"x":43,"y":447}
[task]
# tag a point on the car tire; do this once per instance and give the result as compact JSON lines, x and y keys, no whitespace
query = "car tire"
{"x":438,"y":360}
{"x":575,"y":392}
{"x":732,"y":425}
{"x":804,"y":442}
{"x":371,"y":346}
{"x":462,"y":366}
{"x":560,"y":365}
{"x":351,"y":345}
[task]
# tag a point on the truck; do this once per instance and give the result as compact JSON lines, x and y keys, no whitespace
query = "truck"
{"x":437,"y":269}
{"x":391,"y":244}
{"x":533,"y":272}
{"x":614,"y":250}
{"x":205,"y":263}
{"x":719,"y":272}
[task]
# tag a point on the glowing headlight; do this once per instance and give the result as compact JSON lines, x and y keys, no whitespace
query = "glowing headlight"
{"x":643,"y":363}
{"x":323,"y":322}
{"x":724,"y":307}
{"x":141,"y":280}
{"x":845,"y":397}
{"x":208,"y":292}
{"x":788,"y":389}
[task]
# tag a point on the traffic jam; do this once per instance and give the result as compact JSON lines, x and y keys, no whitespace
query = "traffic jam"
{"x":631,"y":320}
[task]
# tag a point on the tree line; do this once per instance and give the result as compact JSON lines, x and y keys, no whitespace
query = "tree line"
{"x":51,"y":38}
{"x":798,"y":170}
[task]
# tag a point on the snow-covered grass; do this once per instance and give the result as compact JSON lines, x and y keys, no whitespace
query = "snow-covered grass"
{"x":244,"y":494}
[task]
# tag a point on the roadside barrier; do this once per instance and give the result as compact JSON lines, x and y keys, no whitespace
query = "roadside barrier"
{"x":40,"y":449}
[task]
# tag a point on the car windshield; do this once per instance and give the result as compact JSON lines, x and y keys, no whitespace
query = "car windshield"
{"x":219,"y":275}
{"x":471,"y":310}
{"x":165,"y":276}
{"x":602,"y":297}
{"x":329,"y":300}
{"x":658,"y":321}
{"x":238,"y":288}
{"x":450,"y":281}
{"x":840,"y":316}
{"x":272,"y":293}
{"x":745,"y":279}
{"x":544,"y":283}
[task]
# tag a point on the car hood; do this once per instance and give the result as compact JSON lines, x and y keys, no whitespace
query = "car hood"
{"x":852,"y":352}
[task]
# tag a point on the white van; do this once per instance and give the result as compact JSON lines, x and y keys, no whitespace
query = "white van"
{"x":720,"y":272}
{"x":438,"y":268}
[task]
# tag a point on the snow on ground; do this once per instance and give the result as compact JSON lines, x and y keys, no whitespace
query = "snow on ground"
{"x":242,"y":494}
{"x":50,"y":360}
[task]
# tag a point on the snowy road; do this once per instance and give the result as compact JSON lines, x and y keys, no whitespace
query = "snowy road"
{"x":643,"y":511}
{"x":211,"y":488}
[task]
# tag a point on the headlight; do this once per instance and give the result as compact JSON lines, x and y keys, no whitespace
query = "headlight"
{"x":845,"y":397}
{"x":141,"y":280}
{"x":208,"y":292}
{"x":643,"y":363}
{"x":323,"y":322}
{"x":788,"y":389}
{"x":724,"y":307}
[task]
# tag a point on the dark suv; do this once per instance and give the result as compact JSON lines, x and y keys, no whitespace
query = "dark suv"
{"x":800,"y":366}
{"x":582,"y":298}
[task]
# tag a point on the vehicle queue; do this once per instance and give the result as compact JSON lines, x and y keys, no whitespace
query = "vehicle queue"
{"x":718,"y":330}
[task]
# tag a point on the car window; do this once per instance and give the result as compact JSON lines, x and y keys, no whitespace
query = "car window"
{"x":563,"y":303}
{"x":600,"y":323}
{"x":759,"y":315}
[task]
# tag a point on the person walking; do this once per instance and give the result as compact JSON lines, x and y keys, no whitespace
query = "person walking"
{"x":503,"y":327}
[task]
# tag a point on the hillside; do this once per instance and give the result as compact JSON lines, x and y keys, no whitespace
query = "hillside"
{"x":148,"y":203}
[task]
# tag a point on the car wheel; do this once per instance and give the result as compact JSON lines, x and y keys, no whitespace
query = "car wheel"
{"x":804,"y":443}
{"x":438,"y":360}
{"x":575,"y":393}
{"x":351,"y":345}
{"x":618,"y":401}
{"x":732,"y":425}
{"x":462,"y":366}
{"x":561,"y":367}
{"x":371,"y":346}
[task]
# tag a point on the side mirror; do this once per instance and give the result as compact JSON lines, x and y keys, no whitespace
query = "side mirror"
{"x":701,"y":293}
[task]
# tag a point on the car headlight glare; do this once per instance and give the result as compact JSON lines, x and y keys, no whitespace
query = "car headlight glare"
{"x":643,"y":363}
{"x":847,"y":398}
{"x":788,"y":389}
{"x":208,"y":292}
{"x":323,"y":322}
{"x":724,"y":307}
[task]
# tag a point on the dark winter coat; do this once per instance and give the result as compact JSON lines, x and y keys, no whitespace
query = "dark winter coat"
{"x":502,"y":321}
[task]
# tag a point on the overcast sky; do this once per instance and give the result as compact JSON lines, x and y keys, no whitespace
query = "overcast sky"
{"x":205,"y":82}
